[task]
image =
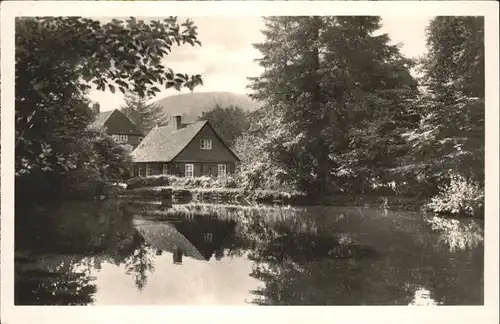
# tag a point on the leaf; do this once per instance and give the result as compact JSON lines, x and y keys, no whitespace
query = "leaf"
{"x":121,"y":83}
{"x":112,"y":88}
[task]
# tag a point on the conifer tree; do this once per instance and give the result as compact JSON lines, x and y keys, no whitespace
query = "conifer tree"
{"x":450,"y":135}
{"x":329,"y":87}
{"x":145,"y":115}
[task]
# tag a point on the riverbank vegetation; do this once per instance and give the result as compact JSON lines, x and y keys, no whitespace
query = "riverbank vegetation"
{"x":343,"y":112}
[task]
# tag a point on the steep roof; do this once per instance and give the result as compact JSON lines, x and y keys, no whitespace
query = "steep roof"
{"x":101,"y":119}
{"x":163,"y":144}
{"x":116,"y":123}
{"x":166,"y":142}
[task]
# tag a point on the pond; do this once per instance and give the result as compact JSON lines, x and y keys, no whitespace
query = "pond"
{"x":119,"y":253}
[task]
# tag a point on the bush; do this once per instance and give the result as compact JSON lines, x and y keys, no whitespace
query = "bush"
{"x":151,"y":181}
{"x":461,"y":197}
{"x":183,"y":182}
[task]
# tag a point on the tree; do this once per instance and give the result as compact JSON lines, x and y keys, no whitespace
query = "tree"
{"x":450,"y":136}
{"x":326,"y":80}
{"x":145,"y":115}
{"x":229,"y":122}
{"x":57,"y":61}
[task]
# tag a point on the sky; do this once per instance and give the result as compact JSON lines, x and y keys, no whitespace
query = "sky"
{"x":226,"y":58}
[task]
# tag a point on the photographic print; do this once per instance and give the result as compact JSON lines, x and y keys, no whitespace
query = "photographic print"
{"x":270,"y":159}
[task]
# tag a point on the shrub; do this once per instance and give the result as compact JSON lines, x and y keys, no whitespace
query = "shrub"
{"x":460,"y":196}
{"x":183,"y":182}
{"x":152,"y":181}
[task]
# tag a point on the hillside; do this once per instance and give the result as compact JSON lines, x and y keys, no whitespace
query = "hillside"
{"x":192,"y":105}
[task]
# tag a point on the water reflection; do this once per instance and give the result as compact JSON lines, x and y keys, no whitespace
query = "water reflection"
{"x":423,"y":297}
{"x":38,"y":287}
{"x":140,"y":264}
{"x":115,"y":253}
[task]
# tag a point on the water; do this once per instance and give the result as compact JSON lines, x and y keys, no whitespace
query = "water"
{"x":114,"y":253}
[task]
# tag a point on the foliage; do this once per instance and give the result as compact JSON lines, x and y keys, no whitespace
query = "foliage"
{"x":460,"y":196}
{"x":450,"y":134}
{"x":144,"y":115}
{"x":182,"y":182}
{"x":335,"y":96}
{"x":258,"y":168}
{"x":229,"y":122}
{"x":58,"y":59}
{"x":151,"y":181}
{"x":342,"y":113}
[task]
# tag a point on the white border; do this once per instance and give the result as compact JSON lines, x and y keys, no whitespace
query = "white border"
{"x":470,"y":314}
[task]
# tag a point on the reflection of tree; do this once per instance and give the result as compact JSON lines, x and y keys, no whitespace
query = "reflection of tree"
{"x":139,"y":263}
{"x":82,"y":235}
{"x":68,"y":283}
{"x":75,"y":228}
{"x":299,"y":266}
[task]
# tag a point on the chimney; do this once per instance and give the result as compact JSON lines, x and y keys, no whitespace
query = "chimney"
{"x":96,"y":108}
{"x":177,"y":255}
{"x":177,"y":121}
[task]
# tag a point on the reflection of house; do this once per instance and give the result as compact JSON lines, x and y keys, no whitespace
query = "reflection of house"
{"x":198,"y":240}
{"x":189,"y":150}
{"x":117,"y":125}
{"x":207,"y":235}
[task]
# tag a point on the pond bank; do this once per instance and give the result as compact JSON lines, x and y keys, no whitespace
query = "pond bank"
{"x":269,"y":197}
{"x":228,"y":190}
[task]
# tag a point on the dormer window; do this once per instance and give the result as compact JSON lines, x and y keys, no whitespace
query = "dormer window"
{"x":206,"y":144}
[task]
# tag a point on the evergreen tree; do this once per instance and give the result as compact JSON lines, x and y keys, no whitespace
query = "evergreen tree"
{"x":330,"y":86}
{"x":450,"y":136}
{"x":145,"y":115}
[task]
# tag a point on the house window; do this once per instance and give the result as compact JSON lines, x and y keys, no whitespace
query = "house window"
{"x":221,"y":170}
{"x":141,"y":171}
{"x":149,"y":170}
{"x":123,"y":138}
{"x":165,"y":168}
{"x":207,"y":237}
{"x":120,"y":138}
{"x":206,"y":144}
{"x":189,"y":170}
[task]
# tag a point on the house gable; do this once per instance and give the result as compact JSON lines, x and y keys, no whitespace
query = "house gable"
{"x":219,"y":152}
{"x":118,"y":123}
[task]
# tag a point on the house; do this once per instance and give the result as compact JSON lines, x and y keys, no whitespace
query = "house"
{"x":189,"y":150}
{"x":117,"y":125}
